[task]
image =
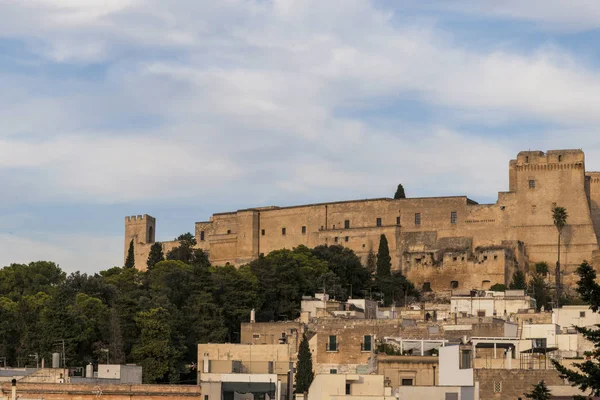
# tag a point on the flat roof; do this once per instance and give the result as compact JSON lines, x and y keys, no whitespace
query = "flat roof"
{"x":270,"y":208}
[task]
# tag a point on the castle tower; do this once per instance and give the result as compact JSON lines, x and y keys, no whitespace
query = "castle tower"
{"x":141,"y":229}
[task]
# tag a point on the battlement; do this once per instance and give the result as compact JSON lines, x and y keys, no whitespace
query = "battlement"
{"x":536,"y":157}
{"x":594,"y":176}
{"x":134,"y":218}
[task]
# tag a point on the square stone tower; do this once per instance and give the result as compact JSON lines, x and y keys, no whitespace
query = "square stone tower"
{"x":141,"y":229}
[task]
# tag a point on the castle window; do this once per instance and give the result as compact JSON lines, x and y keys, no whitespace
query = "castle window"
{"x":526,"y":159}
{"x":453,"y":217}
{"x":417,"y":218}
{"x":202,"y":235}
{"x":304,"y":230}
{"x":378,"y":221}
{"x":454,"y":258}
{"x":332,"y":343}
{"x":531,"y":184}
{"x":495,"y":256}
{"x":427,"y":286}
{"x":454,"y":284}
{"x":335,"y":239}
{"x":229,"y":231}
{"x":283,"y":231}
{"x":346,"y":238}
{"x":397,"y":220}
{"x":559,"y":157}
{"x":347,"y":224}
{"x":262,"y":232}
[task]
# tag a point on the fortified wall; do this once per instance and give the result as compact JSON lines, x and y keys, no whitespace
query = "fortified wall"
{"x":438,"y":242}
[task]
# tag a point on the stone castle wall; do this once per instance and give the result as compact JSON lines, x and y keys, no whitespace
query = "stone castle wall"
{"x":518,"y":228}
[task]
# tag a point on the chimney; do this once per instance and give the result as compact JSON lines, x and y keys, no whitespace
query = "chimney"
{"x":252,"y":316}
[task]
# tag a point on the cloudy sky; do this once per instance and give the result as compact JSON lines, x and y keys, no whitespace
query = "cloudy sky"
{"x":183,"y":108}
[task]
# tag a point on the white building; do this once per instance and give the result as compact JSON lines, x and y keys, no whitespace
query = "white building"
{"x":488,"y":304}
{"x":568,"y":316}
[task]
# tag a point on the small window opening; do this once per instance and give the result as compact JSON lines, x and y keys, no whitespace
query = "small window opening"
{"x":347,"y":224}
{"x":378,"y":221}
{"x":262,"y":232}
{"x":407,"y":382}
{"x":531,"y":184}
{"x":346,"y":238}
{"x":581,"y":314}
{"x":418,"y":219}
{"x":397,"y":220}
{"x":348,"y":388}
{"x":453,"y":217}
{"x":304,"y":230}
{"x":454,"y":258}
{"x":333,"y":371}
{"x":202,"y":235}
{"x":559,"y":157}
{"x":283,"y":231}
{"x":228,"y":231}
{"x":526,"y":159}
{"x":454,"y":284}
{"x":335,"y":239}
{"x":427,"y":287}
{"x":484,"y":258}
{"x":332,"y":343}
{"x":495,"y":256}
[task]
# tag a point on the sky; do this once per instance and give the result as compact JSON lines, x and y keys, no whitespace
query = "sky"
{"x":184,"y":108}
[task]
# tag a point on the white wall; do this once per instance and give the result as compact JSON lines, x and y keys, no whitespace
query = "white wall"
{"x":539,"y":331}
{"x":570,"y":315}
{"x":450,"y":372}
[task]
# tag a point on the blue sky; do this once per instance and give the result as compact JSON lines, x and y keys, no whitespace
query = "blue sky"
{"x":184,"y":108}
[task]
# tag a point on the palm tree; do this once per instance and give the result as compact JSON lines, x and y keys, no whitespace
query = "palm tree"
{"x":559,"y":214}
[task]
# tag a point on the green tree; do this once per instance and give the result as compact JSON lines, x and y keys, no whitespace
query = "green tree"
{"x":541,"y":268}
{"x":540,"y":392}
{"x":518,"y":281}
{"x":304,"y":367}
{"x":130,"y":260}
{"x":371,"y":262}
{"x":346,"y":266}
{"x":559,"y":216}
{"x":155,"y":351}
{"x":498,"y":287}
{"x":400,"y":192}
{"x":156,"y":255}
{"x":540,"y":291}
{"x":585,"y":377}
{"x":384,"y":261}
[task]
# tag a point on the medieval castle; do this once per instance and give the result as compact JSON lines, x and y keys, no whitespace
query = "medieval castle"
{"x":438,"y":242}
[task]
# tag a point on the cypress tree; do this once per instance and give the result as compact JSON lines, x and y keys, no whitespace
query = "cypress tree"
{"x":518,"y":281}
{"x":400,"y":192}
{"x":539,"y":392}
{"x":304,"y":368}
{"x":156,"y":255}
{"x":130,"y":260}
{"x":384,"y":261}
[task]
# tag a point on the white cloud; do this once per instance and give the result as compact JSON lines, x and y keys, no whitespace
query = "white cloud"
{"x":255,"y":95}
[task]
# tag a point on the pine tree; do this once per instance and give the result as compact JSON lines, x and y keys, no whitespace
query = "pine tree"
{"x":539,"y":392}
{"x":156,"y":255}
{"x":371,"y":262}
{"x":400,"y":192}
{"x":586,"y":377}
{"x":384,"y":261}
{"x":130,"y":260}
{"x":304,"y":368}
{"x":518,"y":281}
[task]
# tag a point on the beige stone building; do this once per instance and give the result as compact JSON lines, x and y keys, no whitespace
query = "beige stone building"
{"x":438,"y":242}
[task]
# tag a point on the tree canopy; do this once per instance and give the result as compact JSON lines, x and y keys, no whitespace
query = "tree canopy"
{"x":157,"y":317}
